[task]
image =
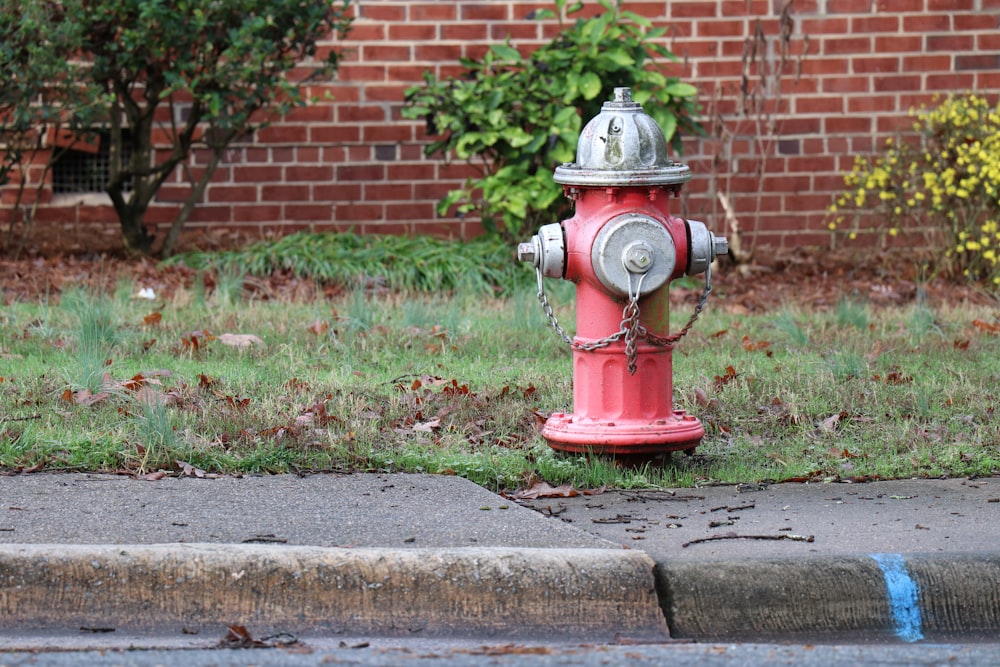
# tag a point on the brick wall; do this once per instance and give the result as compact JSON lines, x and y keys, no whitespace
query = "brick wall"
{"x":353,"y":162}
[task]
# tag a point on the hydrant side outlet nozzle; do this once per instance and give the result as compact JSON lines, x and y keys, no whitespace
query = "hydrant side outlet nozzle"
{"x":546,"y":251}
{"x":705,"y":247}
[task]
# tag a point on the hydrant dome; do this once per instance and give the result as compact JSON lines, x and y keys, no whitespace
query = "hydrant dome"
{"x":622,"y":146}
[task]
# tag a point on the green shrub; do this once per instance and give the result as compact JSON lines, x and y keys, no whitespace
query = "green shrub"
{"x":946,"y":186}
{"x":516,"y":117}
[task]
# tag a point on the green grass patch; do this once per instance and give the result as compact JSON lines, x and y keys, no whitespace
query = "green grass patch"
{"x":457,"y":381}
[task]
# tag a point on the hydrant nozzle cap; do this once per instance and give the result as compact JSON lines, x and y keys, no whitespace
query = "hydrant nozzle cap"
{"x":622,"y":146}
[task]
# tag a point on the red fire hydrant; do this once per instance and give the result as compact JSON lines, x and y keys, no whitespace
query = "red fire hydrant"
{"x":621,"y":249}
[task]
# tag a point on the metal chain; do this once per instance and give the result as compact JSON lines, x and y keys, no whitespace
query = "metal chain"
{"x":630,"y":329}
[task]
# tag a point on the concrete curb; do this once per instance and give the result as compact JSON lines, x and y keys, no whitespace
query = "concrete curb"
{"x":583,"y":594}
{"x":892,"y":596}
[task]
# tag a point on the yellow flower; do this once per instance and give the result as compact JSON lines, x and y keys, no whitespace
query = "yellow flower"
{"x":893,"y":231}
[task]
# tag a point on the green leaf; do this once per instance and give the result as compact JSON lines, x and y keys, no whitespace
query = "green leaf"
{"x":506,"y":52}
{"x":619,"y":57}
{"x":681,"y":89}
{"x":590,"y":85}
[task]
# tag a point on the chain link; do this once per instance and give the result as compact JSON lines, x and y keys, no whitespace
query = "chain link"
{"x":630,"y":329}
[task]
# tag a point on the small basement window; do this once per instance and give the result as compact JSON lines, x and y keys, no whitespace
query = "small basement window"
{"x":85,"y":167}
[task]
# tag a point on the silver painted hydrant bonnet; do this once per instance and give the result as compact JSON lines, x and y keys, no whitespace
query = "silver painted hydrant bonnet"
{"x":622,"y":146}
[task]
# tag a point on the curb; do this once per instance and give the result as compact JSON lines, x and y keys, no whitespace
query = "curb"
{"x":583,"y":594}
{"x":879,"y":596}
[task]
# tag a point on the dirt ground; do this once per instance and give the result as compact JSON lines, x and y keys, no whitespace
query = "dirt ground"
{"x":808,"y":277}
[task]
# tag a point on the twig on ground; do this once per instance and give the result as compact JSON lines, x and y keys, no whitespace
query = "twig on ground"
{"x":734,"y":536}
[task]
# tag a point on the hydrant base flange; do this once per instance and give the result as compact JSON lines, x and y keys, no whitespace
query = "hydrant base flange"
{"x":569,"y":433}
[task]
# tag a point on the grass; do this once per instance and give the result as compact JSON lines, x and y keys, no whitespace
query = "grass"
{"x":453,"y":382}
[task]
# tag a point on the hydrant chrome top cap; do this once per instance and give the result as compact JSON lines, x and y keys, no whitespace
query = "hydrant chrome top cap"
{"x":622,"y":146}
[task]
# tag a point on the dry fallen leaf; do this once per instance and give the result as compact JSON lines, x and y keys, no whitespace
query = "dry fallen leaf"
{"x":240,"y":341}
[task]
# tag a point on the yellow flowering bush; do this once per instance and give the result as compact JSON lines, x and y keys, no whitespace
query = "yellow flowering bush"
{"x":945,"y":186}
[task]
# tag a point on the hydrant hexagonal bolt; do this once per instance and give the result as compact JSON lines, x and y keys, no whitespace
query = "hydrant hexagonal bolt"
{"x":638,"y":257}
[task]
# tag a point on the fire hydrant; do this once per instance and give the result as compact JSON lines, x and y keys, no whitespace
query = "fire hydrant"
{"x":621,"y":249}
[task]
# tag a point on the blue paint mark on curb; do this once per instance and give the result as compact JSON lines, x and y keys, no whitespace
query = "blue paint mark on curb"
{"x":903,"y":596}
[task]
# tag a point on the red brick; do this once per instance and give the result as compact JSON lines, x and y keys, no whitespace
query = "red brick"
{"x":365,"y":172}
{"x":876,"y":65}
{"x":381,"y":11}
{"x":848,"y":124}
{"x":436,"y":11}
{"x":874,"y":24}
{"x":257,"y":213}
{"x":819,"y":105}
{"x":306,"y":154}
{"x":331,"y":134}
{"x":900,"y":44}
{"x":386,"y":133}
{"x":215,"y":214}
{"x":409,"y":211}
{"x":317,"y":212}
{"x":352,"y":72}
{"x":950,"y":5}
{"x":927,"y":23}
{"x":284,"y":193}
{"x":975,"y":21}
{"x":385,"y":93}
{"x":846,"y":84}
{"x":848,"y":6}
{"x":408,"y":74}
{"x":987,"y":81}
{"x":721,"y":28}
{"x":697,"y":10}
{"x":479,"y":11}
{"x":465,"y":32}
{"x":953,"y":43}
{"x":230,"y":193}
{"x":871,"y":103}
{"x":825,"y":66}
{"x":384,"y":191}
{"x":365,"y":212}
{"x":437,"y":52}
{"x":899,"y":6}
{"x":980,"y":61}
{"x":342,"y":192}
{"x":838,"y":46}
{"x":950,"y":82}
{"x":314,"y":113}
{"x":309,"y":173}
{"x":362,"y":31}
{"x":385,"y":52}
{"x":921,"y":63}
{"x":368,"y":113}
{"x":413,"y":32}
{"x":905,"y":82}
{"x":824,"y":26}
{"x":515,"y":31}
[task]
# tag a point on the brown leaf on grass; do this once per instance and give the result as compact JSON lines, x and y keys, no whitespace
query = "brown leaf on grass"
{"x":754,"y":346}
{"x":722,"y":380}
{"x":240,"y":341}
{"x":153,"y":319}
{"x":546,"y":490}
{"x":319,"y":327}
{"x":961,"y":344}
{"x":829,"y":425}
{"x":986,"y":326}
{"x":196,"y":339}
{"x":86,"y":397}
{"x":428,"y":426}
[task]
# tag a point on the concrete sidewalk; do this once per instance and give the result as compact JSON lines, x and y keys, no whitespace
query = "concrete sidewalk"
{"x":424,"y":556}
